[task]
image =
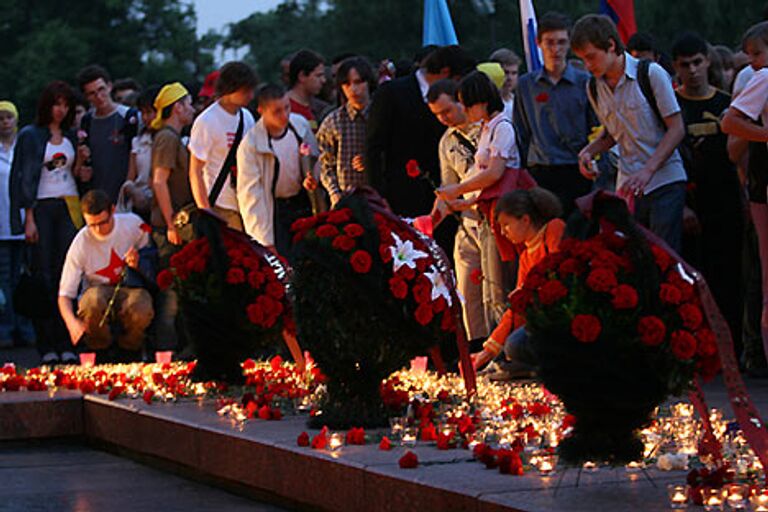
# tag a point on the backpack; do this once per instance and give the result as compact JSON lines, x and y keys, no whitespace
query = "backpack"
{"x":644,"y":81}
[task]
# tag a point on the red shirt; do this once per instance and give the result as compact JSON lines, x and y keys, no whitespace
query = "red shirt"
{"x":305,"y":112}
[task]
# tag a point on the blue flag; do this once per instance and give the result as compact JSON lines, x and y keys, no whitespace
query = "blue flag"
{"x":438,"y":26}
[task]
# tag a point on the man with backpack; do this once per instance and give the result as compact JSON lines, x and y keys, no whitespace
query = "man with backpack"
{"x":216,"y":134}
{"x":636,"y":105}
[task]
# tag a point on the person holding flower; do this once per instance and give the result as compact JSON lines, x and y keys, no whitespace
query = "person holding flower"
{"x":531,"y":218}
{"x":496,"y":152}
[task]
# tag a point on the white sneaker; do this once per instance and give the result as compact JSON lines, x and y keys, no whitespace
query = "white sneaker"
{"x":69,"y":358}
{"x":50,"y":358}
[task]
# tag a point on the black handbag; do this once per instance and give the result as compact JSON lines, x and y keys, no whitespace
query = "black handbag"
{"x":33,"y":296}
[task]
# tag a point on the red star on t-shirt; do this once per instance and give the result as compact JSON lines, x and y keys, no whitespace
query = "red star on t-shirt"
{"x":113,"y":270}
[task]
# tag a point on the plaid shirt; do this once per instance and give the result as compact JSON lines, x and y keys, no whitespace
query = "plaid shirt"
{"x":342,"y":137}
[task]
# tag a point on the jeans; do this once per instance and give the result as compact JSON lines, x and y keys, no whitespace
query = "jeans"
{"x":12,"y":325}
{"x":55,"y":231}
{"x":661,"y":211}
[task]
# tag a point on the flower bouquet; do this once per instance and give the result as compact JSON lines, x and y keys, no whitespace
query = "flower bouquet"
{"x":232,"y":298}
{"x":616,"y":326}
{"x":370,"y":294}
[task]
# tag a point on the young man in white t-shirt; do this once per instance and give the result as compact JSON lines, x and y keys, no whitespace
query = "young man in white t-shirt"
{"x":270,"y":190}
{"x":213,"y":133}
{"x":98,"y":256}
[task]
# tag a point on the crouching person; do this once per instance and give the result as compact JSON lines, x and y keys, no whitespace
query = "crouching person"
{"x":99,"y":256}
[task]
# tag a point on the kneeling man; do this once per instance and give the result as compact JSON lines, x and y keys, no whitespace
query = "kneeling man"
{"x":100,"y":253}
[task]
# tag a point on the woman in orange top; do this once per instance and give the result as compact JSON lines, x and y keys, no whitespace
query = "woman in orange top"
{"x":530,"y":218}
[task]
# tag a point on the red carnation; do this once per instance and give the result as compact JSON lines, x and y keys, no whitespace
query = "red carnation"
{"x":586,"y":328}
{"x":354,"y":230}
{"x":275,"y":290}
{"x":409,"y":460}
{"x":683,"y":344}
{"x":569,"y":266}
{"x":448,"y":324}
{"x":652,"y":330}
{"x":235,"y":275}
{"x":519,"y":300}
{"x":303,"y":224}
{"x":423,"y":314}
{"x":145,"y":227}
{"x":303,"y":439}
{"x":670,"y":294}
{"x":255,"y":313}
{"x":422,"y":290}
{"x":691,"y":316}
{"x":601,"y":280}
{"x":327,"y":231}
{"x":406,"y":272}
{"x":542,"y":97}
{"x":385,"y":253}
{"x":624,"y":297}
{"x":361,"y":262}
{"x":340,"y":216}
{"x":663,"y":260}
{"x":707,"y":343}
{"x":439,"y":305}
{"x":164,"y":279}
{"x":551,"y":292}
{"x":256,"y":278}
{"x":343,"y":243}
{"x":412,"y":169}
{"x":385,"y":444}
{"x":476,"y":276}
{"x":398,"y":287}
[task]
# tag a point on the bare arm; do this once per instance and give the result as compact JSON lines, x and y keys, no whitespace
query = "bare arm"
{"x":479,"y":181}
{"x":75,"y":326}
{"x":196,"y":182}
{"x":601,"y":144}
{"x":737,"y":123}
{"x":163,"y":197}
{"x":133,"y":171}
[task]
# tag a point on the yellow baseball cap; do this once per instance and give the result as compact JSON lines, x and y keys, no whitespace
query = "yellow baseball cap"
{"x":9,"y":107}
{"x":168,"y":95}
{"x":494,"y":71}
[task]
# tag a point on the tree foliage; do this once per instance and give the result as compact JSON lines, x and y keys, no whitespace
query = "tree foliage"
{"x":152,"y":41}
{"x":392,"y":28}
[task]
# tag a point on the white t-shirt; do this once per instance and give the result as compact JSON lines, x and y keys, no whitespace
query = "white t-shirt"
{"x":56,"y":178}
{"x":497,"y":139}
{"x":286,"y":150}
{"x":753,"y":100}
{"x":742,"y":79}
{"x":6,"y":157}
{"x":212,"y":134}
{"x":101,"y":261}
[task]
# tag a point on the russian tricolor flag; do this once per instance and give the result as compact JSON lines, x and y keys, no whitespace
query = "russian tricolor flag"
{"x":533,"y":59}
{"x":622,"y":12}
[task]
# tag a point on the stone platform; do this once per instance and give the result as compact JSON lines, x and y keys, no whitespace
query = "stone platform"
{"x":262,"y":458}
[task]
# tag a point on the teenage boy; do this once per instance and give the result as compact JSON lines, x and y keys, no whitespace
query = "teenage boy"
{"x":213,"y":142}
{"x":341,"y":137}
{"x":306,"y":75}
{"x":715,"y":196}
{"x":553,"y":117}
{"x":109,"y":127}
{"x":273,"y":174}
{"x":651,"y":174}
{"x":474,"y":250}
{"x":99,"y":253}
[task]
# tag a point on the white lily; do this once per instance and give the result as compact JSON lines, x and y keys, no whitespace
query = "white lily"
{"x":403,"y":253}
{"x":439,"y":287}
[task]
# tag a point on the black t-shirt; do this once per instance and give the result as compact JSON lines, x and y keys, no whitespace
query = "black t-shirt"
{"x":713,"y":176}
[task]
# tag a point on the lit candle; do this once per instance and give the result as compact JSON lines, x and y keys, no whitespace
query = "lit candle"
{"x":678,"y":496}
{"x":589,"y":467}
{"x":759,"y":501}
{"x":336,"y":441}
{"x":410,"y":435}
{"x":737,"y":495}
{"x":713,"y":499}
{"x":634,"y":467}
{"x":547,"y":463}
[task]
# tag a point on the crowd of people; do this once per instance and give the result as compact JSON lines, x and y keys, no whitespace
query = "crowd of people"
{"x":96,"y":192}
